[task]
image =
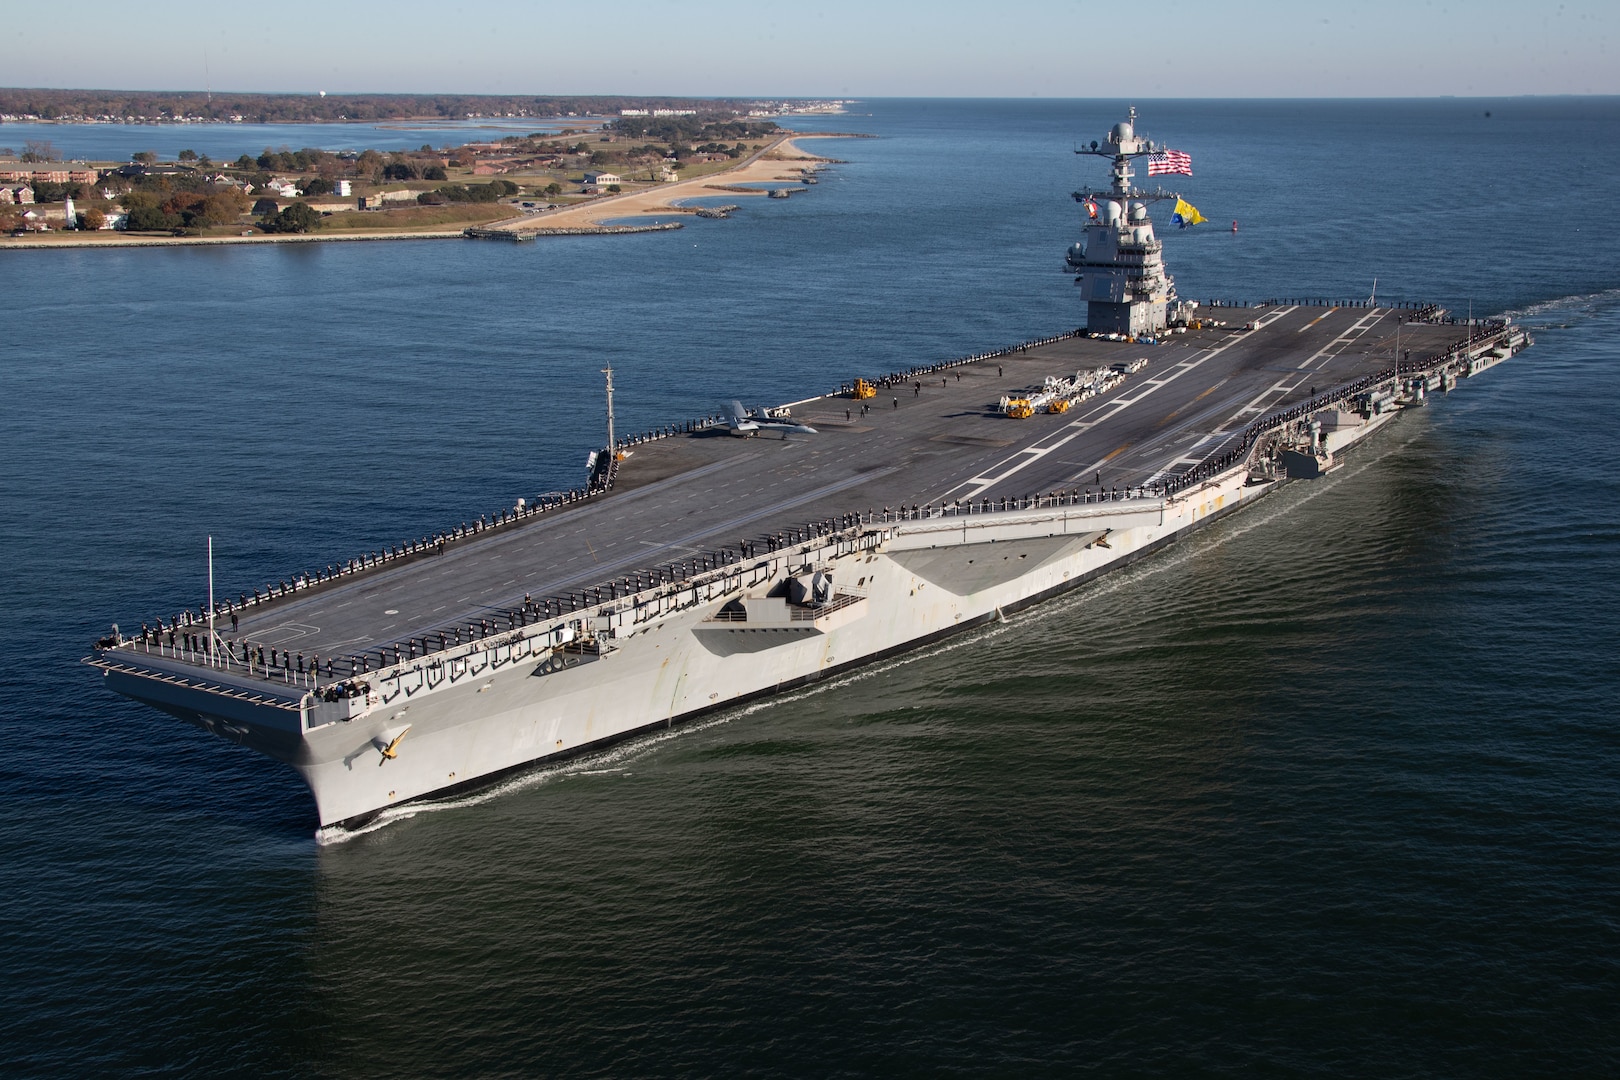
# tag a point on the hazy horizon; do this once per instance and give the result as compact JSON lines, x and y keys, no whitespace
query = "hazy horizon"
{"x":842,"y":49}
{"x":853,"y":98}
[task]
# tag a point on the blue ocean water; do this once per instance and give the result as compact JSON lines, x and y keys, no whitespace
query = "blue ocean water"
{"x":1327,"y":790}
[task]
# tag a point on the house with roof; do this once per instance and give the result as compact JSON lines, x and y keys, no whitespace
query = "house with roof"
{"x":222,"y":180}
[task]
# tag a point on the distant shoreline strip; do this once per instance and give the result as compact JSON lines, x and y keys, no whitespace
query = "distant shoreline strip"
{"x":194,"y":241}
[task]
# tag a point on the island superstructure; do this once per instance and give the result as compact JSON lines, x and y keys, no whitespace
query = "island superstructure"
{"x":1119,"y":265}
{"x":701,"y":569}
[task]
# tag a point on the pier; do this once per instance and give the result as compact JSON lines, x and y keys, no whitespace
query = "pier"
{"x":493,"y":234}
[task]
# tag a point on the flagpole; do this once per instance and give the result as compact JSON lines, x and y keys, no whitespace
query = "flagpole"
{"x":213,"y":640}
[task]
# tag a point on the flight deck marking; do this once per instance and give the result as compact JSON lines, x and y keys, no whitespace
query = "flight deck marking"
{"x":1171,"y":416}
{"x":979,"y":484}
{"x":1266,"y":320}
{"x":1222,"y":434}
{"x":1356,"y":331}
{"x":289,"y":631}
{"x":1316,"y":320}
{"x":656,"y":544}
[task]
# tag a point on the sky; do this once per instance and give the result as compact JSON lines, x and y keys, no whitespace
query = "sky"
{"x":834,"y":48}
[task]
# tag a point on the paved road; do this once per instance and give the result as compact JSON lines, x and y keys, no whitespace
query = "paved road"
{"x":681,"y":496}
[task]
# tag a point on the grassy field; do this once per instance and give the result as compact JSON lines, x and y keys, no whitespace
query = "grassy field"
{"x":416,"y":217}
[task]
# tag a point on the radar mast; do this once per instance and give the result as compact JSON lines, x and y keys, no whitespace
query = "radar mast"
{"x":1118,"y":265}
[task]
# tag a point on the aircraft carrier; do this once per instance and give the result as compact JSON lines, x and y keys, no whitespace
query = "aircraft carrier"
{"x":699,"y":569}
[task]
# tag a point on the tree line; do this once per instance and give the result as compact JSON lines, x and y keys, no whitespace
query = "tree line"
{"x":682,"y":130}
{"x":156,"y":210}
{"x":494,"y":191}
{"x":302,"y":108}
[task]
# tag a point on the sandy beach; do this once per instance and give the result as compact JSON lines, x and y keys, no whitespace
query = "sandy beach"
{"x":782,"y":159}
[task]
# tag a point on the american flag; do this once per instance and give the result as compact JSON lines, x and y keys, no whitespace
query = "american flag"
{"x":1170,"y":161}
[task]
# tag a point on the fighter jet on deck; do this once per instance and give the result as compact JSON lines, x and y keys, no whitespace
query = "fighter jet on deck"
{"x":743,"y":424}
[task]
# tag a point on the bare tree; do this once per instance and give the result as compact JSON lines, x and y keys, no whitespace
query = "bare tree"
{"x":40,"y":150}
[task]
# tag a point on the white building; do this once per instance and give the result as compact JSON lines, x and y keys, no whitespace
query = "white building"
{"x":602,"y":179}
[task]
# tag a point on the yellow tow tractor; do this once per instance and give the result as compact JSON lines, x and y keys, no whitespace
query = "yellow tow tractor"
{"x":1061,"y":405}
{"x":1019,"y":408}
{"x":863,"y":390}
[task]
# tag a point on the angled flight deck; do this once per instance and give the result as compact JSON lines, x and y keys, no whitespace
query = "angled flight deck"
{"x":945,"y":440}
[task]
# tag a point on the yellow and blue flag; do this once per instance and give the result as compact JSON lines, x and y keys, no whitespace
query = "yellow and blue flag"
{"x":1186,"y":214}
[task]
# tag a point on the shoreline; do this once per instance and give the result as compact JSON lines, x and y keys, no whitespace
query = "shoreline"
{"x":779,"y":155}
{"x":261,"y":238}
{"x":586,"y":219}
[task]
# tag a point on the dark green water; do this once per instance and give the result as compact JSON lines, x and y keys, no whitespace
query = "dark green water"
{"x":1327,"y":789}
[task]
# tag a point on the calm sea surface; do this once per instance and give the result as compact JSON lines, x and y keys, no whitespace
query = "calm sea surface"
{"x":1329,"y":789}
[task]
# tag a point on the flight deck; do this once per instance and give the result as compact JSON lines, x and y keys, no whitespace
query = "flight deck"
{"x":932,"y":439}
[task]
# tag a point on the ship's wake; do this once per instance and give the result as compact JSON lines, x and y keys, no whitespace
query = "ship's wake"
{"x":1565,"y":311}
